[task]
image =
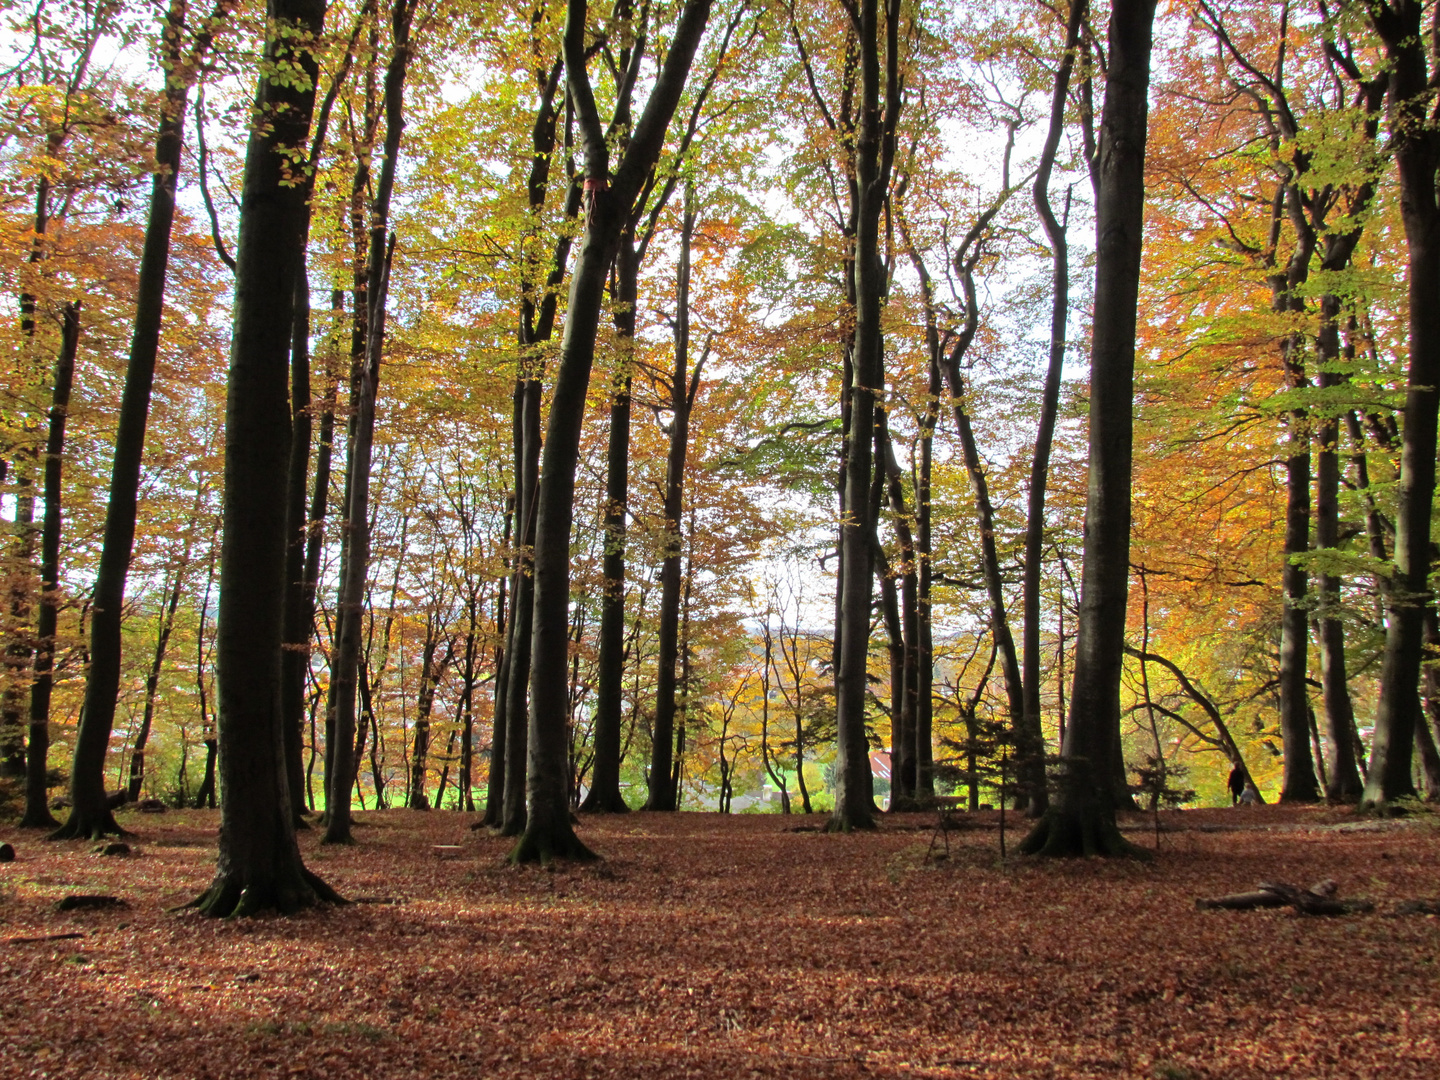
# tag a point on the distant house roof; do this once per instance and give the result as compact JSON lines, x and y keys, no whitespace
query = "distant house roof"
{"x":880,"y":764}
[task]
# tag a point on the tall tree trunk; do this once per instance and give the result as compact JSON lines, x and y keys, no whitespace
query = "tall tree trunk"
{"x":259,"y":865}
{"x":604,"y":795}
{"x":1055,"y":232}
{"x":663,"y":793}
{"x":903,"y":768}
{"x":495,"y":774}
{"x":157,"y":663}
{"x":1343,"y":783}
{"x":1416,"y":147}
{"x":355,"y":558}
{"x":430,"y":673}
{"x":537,"y":323}
{"x":548,"y":832}
{"x":1298,"y":782}
{"x":874,"y":154}
{"x":37,"y":809}
{"x":20,"y":650}
{"x":1081,"y":818}
{"x":305,"y":531}
{"x":89,"y":815}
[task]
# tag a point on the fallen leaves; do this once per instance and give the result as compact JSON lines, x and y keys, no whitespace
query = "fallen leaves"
{"x":729,"y":947}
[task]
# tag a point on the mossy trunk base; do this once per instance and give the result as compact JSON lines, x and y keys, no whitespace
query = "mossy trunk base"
{"x":83,"y":825}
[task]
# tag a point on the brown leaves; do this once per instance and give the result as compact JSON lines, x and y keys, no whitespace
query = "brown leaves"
{"x":727,"y":947}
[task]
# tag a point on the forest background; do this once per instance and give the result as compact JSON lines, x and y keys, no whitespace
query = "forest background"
{"x":1256,"y":587}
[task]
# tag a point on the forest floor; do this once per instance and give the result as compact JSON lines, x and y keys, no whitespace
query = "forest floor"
{"x":710,"y":946}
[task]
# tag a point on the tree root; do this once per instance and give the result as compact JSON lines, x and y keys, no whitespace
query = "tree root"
{"x":844,"y":823}
{"x":84,"y":826}
{"x":1074,"y":834}
{"x":227,"y":898}
{"x":39,"y":818}
{"x":613,"y":803}
{"x":544,"y":847}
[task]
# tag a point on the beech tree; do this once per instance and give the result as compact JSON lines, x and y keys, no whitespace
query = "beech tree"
{"x":259,"y":863}
{"x":609,"y":193}
{"x":1416,"y":146}
{"x":1081,"y":818}
{"x":89,"y":814}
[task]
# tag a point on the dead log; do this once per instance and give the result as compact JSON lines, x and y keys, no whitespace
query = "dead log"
{"x":1264,"y":897}
{"x":40,"y":937}
{"x":87,"y":902}
{"x":1416,"y":907}
{"x":1310,"y":903}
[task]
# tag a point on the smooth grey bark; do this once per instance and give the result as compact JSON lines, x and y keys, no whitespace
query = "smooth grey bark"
{"x":1298,"y":782}
{"x":548,"y":832}
{"x":431,"y":671}
{"x":905,"y":631}
{"x":37,"y":810}
{"x":1081,"y":817}
{"x":259,"y":865}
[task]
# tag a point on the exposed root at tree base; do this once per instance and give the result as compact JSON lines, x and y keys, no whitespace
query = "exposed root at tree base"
{"x":844,"y":823}
{"x":41,"y":819}
{"x":1075,"y":834}
{"x":227,"y":898}
{"x":81,"y":826}
{"x":612,"y":803}
{"x":1383,"y":808}
{"x":548,"y":846}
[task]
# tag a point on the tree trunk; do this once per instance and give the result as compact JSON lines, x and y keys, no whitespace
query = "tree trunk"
{"x":537,"y":323}
{"x":259,"y":865}
{"x":1416,"y":146}
{"x":903,"y":763}
{"x":1343,"y":777}
{"x":305,"y":532}
{"x":37,"y":808}
{"x":1298,"y":782}
{"x":548,"y":832}
{"x":430,"y":672}
{"x":89,"y":815}
{"x":355,"y":558}
{"x":19,"y":651}
{"x":495,"y":773}
{"x":663,"y":793}
{"x":874,"y":153}
{"x":1055,"y":231}
{"x":157,"y":663}
{"x":604,"y":795}
{"x":1081,"y":818}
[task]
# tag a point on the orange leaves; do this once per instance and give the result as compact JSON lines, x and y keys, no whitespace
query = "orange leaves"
{"x":710,"y":947}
